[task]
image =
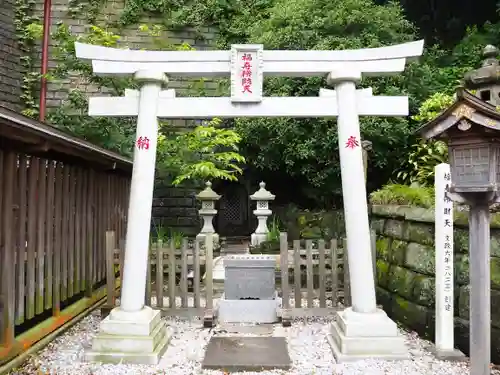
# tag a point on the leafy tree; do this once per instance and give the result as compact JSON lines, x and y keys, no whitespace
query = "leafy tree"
{"x":207,"y":152}
{"x":307,"y":149}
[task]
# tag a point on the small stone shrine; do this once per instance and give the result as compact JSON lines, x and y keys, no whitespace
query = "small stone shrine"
{"x":249,"y":290}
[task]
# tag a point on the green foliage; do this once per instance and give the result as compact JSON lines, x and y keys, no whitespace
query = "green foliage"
{"x":417,"y":196}
{"x":274,"y":229}
{"x":422,"y":159}
{"x":205,"y":153}
{"x":116,"y":134}
{"x":28,"y":31}
{"x":167,"y":235}
{"x":307,"y":149}
{"x":433,"y":106}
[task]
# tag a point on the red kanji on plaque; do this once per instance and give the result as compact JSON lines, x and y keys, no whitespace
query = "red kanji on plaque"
{"x":246,"y":73}
{"x":143,"y":143}
{"x":352,"y":142}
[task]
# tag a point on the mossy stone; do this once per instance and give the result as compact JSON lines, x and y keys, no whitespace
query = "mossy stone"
{"x":422,"y":233}
{"x":461,"y":240}
{"x":383,"y":246}
{"x":411,"y":314}
{"x":462,"y":269}
{"x":394,"y":228}
{"x":424,"y":290}
{"x":386,"y":210}
{"x":495,"y":220}
{"x":495,"y":243}
{"x":384,"y":298}
{"x":382,"y":273}
{"x":401,"y":281}
{"x":464,"y":301}
{"x":420,"y":214}
{"x":398,"y":252}
{"x":420,"y":258}
{"x":377,"y":225}
{"x":495,"y":272}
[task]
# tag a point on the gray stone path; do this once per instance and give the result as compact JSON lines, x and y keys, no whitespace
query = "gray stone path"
{"x":233,"y":354}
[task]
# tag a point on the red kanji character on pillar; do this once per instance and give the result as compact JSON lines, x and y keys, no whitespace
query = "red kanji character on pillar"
{"x":352,"y":142}
{"x":246,"y":57}
{"x":143,"y":143}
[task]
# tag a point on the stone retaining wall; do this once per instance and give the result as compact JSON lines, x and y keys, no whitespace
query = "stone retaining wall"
{"x":406,"y":271}
{"x":11,"y":71}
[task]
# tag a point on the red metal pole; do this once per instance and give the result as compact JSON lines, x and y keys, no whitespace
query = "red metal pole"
{"x":47,"y":5}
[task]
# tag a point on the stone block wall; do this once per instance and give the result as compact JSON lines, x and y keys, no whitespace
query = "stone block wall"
{"x":11,"y":72}
{"x":131,"y":37}
{"x":176,"y":209}
{"x":406,"y":271}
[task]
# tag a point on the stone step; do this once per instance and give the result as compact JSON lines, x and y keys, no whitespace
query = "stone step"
{"x":232,"y":354}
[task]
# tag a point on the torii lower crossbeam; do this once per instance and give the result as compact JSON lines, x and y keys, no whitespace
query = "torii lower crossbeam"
{"x":304,"y":107}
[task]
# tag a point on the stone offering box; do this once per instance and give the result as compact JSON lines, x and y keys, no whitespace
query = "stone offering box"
{"x":249,"y":277}
{"x":249,"y":290}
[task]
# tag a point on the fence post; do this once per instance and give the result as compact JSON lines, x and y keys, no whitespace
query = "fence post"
{"x":347,"y":283}
{"x":7,"y":251}
{"x":208,"y":318}
{"x":110,"y":275}
{"x":286,"y":318}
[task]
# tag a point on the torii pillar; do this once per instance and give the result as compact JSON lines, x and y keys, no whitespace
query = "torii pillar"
{"x":133,"y":332}
{"x":362,"y":330}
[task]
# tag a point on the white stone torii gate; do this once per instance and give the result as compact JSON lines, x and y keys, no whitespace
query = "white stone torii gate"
{"x":132,"y":332}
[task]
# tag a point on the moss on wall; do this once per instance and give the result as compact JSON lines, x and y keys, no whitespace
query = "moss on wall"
{"x":406,"y":270}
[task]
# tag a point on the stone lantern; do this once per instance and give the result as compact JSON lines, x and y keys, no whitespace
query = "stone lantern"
{"x":471,"y":129}
{"x":208,"y":197}
{"x":262,"y":212}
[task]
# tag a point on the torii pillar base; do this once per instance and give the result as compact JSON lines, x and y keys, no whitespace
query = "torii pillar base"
{"x":357,"y":336}
{"x":132,"y":338}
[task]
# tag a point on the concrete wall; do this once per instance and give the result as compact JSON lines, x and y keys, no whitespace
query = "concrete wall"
{"x":406,"y":271}
{"x":11,"y":71}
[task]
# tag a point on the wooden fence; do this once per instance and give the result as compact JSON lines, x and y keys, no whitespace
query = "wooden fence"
{"x":315,"y":274}
{"x":56,"y":202}
{"x":188,"y":291}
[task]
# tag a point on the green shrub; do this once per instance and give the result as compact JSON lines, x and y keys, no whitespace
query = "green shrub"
{"x":414,"y":195}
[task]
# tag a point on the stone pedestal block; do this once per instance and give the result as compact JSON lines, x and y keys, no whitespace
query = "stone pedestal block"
{"x":249,"y":277}
{"x":356,"y":336}
{"x":249,"y":311}
{"x":131,"y":337}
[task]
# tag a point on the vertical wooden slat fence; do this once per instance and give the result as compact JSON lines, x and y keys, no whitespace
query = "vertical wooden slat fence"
{"x":315,"y":289}
{"x":52,"y":251}
{"x":183,"y":292}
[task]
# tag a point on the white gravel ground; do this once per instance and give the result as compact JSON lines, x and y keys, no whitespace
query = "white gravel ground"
{"x":308,"y":348}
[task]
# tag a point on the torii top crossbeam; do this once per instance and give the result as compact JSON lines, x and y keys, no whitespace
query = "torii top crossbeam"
{"x":369,"y":61}
{"x":247,"y":65}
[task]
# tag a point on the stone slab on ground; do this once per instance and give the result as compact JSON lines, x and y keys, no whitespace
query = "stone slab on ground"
{"x":247,"y":354}
{"x":454,"y":355}
{"x":256,"y":329}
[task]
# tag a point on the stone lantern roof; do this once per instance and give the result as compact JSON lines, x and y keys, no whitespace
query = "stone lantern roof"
{"x":262,"y":194}
{"x":486,"y":77}
{"x":208,"y":194}
{"x":471,"y":109}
